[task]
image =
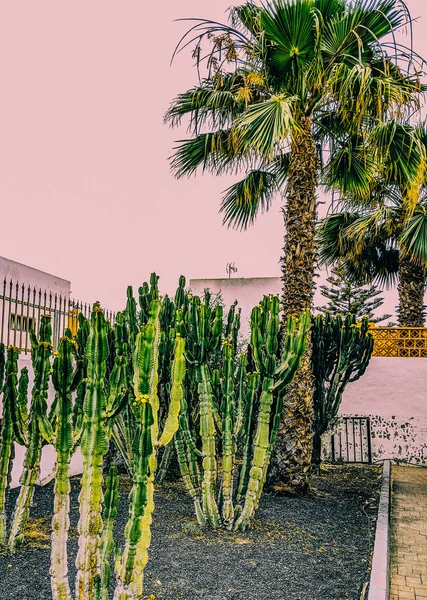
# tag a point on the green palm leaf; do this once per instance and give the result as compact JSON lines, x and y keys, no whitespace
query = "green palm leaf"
{"x":289,"y":29}
{"x":264,"y":127}
{"x":216,"y":152}
{"x":402,"y":152}
{"x":414,"y":236}
{"x":244,"y":200}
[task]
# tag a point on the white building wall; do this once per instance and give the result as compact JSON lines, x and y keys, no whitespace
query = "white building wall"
{"x":393,"y":393}
{"x":11,"y":270}
{"x":28,"y":276}
{"x":248,"y":292}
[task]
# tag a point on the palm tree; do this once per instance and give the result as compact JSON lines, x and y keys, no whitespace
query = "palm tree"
{"x":379,"y":244}
{"x":282,"y":80}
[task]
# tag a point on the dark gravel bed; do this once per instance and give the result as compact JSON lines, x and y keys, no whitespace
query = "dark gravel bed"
{"x":311,"y":548}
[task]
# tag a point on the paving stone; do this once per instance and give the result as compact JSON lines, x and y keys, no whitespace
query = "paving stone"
{"x":408,"y":522}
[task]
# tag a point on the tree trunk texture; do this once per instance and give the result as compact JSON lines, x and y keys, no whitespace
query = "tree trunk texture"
{"x":412,"y":281}
{"x":291,"y":460}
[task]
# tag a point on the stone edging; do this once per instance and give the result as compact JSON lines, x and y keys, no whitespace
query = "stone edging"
{"x":379,"y":580}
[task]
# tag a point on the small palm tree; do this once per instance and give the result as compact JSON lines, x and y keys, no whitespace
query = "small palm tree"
{"x":282,"y":80}
{"x":380,"y":244}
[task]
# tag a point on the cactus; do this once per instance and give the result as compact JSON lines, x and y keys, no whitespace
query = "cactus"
{"x":66,"y":379}
{"x":39,"y":428}
{"x":111,"y":499}
{"x":226,"y":399}
{"x":10,"y":401}
{"x":342,"y":349}
{"x":126,"y":328}
{"x":145,"y":409}
{"x":94,"y":445}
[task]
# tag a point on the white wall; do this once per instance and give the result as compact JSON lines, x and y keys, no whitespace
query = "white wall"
{"x":23,"y":274}
{"x":28,"y":276}
{"x":393,"y":392}
{"x":248,"y":292}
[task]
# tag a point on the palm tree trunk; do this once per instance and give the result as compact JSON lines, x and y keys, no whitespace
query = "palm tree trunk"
{"x":291,"y":459}
{"x":412,"y":281}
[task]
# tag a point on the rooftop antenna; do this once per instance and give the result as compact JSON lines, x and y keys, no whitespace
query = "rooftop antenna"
{"x":231,"y":268}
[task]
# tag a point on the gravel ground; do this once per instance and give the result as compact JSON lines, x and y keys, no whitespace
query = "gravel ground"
{"x":311,"y":548}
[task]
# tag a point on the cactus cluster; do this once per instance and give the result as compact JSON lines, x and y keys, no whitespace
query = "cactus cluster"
{"x":342,"y":349}
{"x":232,"y":407}
{"x":166,"y":378}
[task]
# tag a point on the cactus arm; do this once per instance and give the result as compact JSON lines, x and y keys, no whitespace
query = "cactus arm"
{"x":256,"y":340}
{"x":177,"y":392}
{"x":164,"y":463}
{"x":94,"y":445}
{"x":241,"y":388}
{"x":119,"y":435}
{"x":207,"y":434}
{"x":27,"y":480}
{"x":130,"y":315}
{"x":185,"y":427}
{"x":260,"y":454}
{"x":60,"y":526}
{"x":10,"y":394}
{"x":295,"y":345}
{"x":186,"y":477}
{"x":111,"y":499}
{"x":38,"y":429}
{"x":137,"y":532}
{"x":18,"y":410}
{"x":216,"y":397}
{"x":130,"y":562}
{"x":228,"y":439}
{"x":253,"y":386}
{"x":65,"y":379}
{"x":23,"y":396}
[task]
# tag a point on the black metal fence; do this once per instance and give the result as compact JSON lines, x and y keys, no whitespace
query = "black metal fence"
{"x":352,"y":442}
{"x":21,"y":307}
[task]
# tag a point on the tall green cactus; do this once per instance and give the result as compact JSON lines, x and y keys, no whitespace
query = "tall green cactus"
{"x":238,"y":411}
{"x":66,"y":379}
{"x":39,"y":430}
{"x":126,"y":329}
{"x":10,"y":402}
{"x":111,"y":499}
{"x":94,"y":445}
{"x":148,"y":438}
{"x":342,"y":349}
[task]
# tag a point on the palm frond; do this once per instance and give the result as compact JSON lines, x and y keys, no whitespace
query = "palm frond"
{"x":247,"y":15}
{"x":372,"y":258}
{"x":413,"y":238}
{"x":291,"y":36}
{"x":214,"y":106}
{"x":332,"y":242}
{"x":244,"y":200}
{"x":216,"y":152}
{"x":329,"y":9}
{"x":401,"y":151}
{"x":352,"y":169}
{"x":265,"y":126}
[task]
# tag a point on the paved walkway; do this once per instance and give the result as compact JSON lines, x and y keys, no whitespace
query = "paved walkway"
{"x":408,"y":560}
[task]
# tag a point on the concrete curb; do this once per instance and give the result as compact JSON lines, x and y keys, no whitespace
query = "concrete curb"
{"x":379,"y":581}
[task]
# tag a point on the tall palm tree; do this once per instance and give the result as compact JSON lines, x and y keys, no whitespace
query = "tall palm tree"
{"x":282,"y":80}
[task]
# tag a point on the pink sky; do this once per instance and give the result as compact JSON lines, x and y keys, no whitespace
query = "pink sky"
{"x":85,"y":184}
